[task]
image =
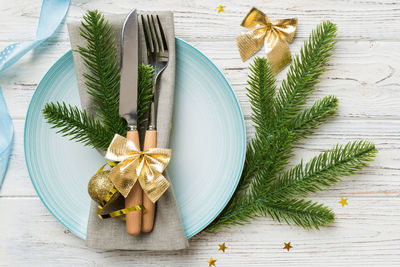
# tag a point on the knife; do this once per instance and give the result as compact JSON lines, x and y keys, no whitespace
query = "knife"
{"x":128,"y":109}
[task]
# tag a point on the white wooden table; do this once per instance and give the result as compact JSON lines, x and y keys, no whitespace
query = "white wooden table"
{"x":364,"y":74}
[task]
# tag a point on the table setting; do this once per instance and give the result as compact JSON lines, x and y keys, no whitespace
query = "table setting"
{"x":136,"y":142}
{"x":168,"y":225}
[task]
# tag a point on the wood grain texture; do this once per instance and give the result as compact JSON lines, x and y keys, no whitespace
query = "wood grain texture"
{"x":366,"y":71}
{"x":198,"y":20}
{"x":371,"y":239}
{"x":364,"y":74}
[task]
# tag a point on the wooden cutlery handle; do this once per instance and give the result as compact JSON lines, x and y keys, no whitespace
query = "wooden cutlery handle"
{"x":150,"y":141}
{"x":134,"y":218}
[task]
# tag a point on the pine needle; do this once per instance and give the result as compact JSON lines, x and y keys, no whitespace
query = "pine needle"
{"x":323,"y":170}
{"x":314,"y":116}
{"x":261,"y":94}
{"x":304,"y":72}
{"x":100,"y":58}
{"x":265,"y":189}
{"x":145,"y":93}
{"x":306,"y":214}
{"x":279,"y":118}
{"x":103,"y":86}
{"x":77,"y":124}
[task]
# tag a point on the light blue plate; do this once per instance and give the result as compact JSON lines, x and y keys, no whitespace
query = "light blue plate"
{"x":208,"y":143}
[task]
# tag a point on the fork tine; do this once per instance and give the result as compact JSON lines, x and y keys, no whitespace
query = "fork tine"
{"x":156,"y":34}
{"x":146,"y":35}
{"x":164,"y":41}
{"x":152,"y":34}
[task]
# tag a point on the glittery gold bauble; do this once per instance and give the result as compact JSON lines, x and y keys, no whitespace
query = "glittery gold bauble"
{"x":99,"y":186}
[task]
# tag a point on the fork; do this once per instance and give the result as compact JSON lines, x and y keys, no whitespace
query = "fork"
{"x":157,"y":57}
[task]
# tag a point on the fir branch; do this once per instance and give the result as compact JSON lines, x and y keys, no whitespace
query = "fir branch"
{"x":280,"y":121}
{"x":306,"y":214}
{"x":265,"y":157}
{"x":103,"y":86}
{"x":145,"y":92}
{"x":261,"y":94}
{"x":275,"y":159}
{"x":323,"y":170}
{"x":304,"y":72}
{"x":237,"y":212}
{"x":300,"y":82}
{"x":293,"y":93}
{"x":78,"y":124}
{"x":314,"y":116}
{"x":101,"y":60}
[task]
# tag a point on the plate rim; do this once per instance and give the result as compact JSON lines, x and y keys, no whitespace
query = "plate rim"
{"x":244,"y":146}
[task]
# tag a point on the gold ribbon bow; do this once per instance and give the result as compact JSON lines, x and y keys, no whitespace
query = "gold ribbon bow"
{"x":135,"y":165}
{"x":275,"y":35}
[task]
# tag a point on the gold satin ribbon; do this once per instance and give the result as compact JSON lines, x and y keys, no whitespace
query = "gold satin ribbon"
{"x":115,"y":214}
{"x":135,"y":165}
{"x":275,"y":35}
{"x":118,"y":213}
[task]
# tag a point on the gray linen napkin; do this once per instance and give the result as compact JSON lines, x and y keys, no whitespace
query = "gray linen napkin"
{"x":168,"y":231}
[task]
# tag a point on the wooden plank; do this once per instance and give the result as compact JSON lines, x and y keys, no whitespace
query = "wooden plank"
{"x":199,"y":20}
{"x":363,"y":75}
{"x":380,"y":179}
{"x":365,"y":232}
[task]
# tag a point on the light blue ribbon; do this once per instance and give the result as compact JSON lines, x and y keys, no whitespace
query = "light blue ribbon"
{"x":51,"y":16}
{"x":6,"y":137}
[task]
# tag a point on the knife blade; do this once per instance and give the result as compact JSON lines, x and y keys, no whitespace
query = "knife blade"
{"x":129,"y":70}
{"x":128,"y":109}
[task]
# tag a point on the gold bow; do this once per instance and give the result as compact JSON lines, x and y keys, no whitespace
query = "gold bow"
{"x":274,"y":34}
{"x":135,"y":165}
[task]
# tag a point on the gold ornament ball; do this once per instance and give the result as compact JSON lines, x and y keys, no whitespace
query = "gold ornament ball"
{"x":99,"y":186}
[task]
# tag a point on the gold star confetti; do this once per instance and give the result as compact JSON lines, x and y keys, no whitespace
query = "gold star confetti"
{"x":211,"y":262}
{"x":222,"y":247}
{"x":343,"y":201}
{"x":221,"y":8}
{"x":287,"y":246}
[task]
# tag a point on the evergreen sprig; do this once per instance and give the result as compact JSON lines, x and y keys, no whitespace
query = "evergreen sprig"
{"x":76,"y":123}
{"x":322,"y":171}
{"x":102,"y":82}
{"x":280,"y":120}
{"x":304,"y":72}
{"x":145,"y":93}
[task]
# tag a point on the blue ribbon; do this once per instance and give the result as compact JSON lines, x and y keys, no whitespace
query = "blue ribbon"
{"x":51,"y":16}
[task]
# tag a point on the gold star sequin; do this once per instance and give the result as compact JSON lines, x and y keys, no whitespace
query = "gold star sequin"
{"x":221,"y":8}
{"x":343,"y":201}
{"x":222,"y":247}
{"x":211,"y":262}
{"x":287,"y":246}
